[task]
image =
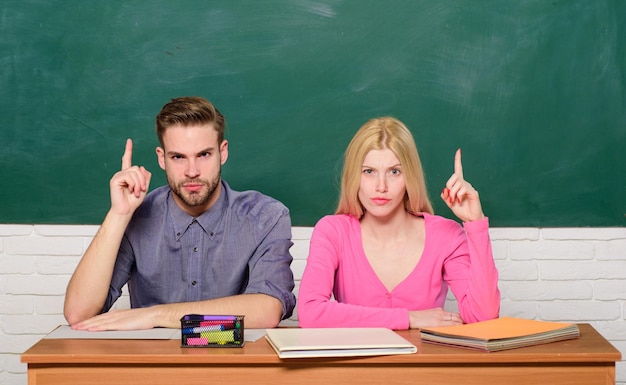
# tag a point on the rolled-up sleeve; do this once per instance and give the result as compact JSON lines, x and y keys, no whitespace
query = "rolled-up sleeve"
{"x":270,"y":266}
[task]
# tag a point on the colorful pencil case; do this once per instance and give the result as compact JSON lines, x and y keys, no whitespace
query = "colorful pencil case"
{"x":215,"y":331}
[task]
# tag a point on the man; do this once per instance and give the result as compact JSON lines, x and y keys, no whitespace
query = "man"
{"x":193,"y":247}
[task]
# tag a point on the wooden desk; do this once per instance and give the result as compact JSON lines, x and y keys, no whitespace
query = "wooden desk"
{"x":585,"y":361}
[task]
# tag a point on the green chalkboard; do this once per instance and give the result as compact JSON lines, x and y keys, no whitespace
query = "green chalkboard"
{"x":533,"y":91}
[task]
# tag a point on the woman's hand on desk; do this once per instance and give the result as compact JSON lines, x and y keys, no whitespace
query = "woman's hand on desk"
{"x":433,"y":318}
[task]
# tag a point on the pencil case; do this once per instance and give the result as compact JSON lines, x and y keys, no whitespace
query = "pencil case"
{"x":213,"y":331}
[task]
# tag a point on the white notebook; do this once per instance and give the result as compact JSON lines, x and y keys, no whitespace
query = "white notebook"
{"x":337,"y":342}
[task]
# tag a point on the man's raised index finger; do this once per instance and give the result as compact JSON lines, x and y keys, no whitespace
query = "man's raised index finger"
{"x":127,"y":158}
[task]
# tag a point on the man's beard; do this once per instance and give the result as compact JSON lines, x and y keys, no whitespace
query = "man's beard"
{"x":198,"y":198}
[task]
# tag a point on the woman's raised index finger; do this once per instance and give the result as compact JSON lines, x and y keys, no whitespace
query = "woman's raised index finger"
{"x":127,"y":158}
{"x":458,"y":166}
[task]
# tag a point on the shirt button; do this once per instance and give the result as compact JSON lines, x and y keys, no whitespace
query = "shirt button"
{"x":194,"y":283}
{"x":195,"y":249}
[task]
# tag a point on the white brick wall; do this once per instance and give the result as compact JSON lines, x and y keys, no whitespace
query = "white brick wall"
{"x":556,"y":274}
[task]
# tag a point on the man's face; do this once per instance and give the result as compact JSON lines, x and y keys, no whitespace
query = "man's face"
{"x":192,"y":159}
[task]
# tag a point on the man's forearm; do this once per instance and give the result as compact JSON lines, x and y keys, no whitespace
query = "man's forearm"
{"x":89,"y":285}
{"x":260,"y":310}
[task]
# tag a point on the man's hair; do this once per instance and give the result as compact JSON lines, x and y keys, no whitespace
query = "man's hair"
{"x":189,"y":111}
{"x":378,"y":134}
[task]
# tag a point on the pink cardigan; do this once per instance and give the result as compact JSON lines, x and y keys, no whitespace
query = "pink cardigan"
{"x":454,"y":256}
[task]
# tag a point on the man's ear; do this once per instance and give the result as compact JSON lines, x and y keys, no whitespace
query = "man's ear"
{"x":224,"y":151}
{"x":161,"y":157}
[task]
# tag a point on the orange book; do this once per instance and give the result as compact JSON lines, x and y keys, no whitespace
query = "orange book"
{"x":501,"y":333}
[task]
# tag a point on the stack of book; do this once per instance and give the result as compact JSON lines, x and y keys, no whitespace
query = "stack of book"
{"x":501,"y":334}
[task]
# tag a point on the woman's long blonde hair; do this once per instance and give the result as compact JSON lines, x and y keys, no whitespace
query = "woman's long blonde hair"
{"x":377,"y":134}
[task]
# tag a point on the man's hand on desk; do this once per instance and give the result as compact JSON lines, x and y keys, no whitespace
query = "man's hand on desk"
{"x":121,"y":319}
{"x":261,"y":311}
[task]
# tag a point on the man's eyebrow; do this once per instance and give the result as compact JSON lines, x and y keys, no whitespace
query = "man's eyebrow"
{"x":176,"y":153}
{"x":172,"y":153}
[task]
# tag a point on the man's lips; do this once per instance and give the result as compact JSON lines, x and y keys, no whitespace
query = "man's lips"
{"x":193,"y":186}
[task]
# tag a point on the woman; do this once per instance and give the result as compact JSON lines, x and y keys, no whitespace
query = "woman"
{"x":384,"y":256}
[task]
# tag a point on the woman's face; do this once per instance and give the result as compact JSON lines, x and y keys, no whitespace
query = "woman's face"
{"x":382,"y":188}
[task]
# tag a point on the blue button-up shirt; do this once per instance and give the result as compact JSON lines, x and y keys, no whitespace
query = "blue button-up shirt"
{"x":240,"y":245}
